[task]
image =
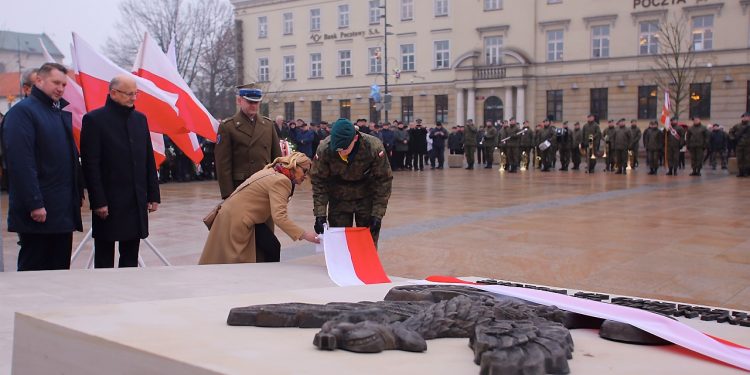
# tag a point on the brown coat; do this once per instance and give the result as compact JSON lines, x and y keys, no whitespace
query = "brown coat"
{"x":243,"y":146}
{"x":264,"y":200}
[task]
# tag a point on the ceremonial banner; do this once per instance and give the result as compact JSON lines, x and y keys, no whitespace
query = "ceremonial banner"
{"x":659,"y":325}
{"x":351,"y":257}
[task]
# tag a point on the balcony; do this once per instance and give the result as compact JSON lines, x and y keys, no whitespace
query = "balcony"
{"x":490,"y":72}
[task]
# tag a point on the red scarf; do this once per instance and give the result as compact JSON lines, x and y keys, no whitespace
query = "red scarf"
{"x":288,"y":173}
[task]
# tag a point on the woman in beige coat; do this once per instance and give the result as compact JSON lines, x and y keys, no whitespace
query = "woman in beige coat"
{"x":243,"y":229}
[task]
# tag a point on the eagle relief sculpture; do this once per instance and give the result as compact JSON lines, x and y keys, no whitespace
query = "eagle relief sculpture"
{"x":508,"y":335}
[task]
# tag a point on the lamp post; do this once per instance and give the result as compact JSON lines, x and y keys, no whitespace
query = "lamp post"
{"x":386,"y":96}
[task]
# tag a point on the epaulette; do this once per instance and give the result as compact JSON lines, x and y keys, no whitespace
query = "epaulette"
{"x":267,"y":118}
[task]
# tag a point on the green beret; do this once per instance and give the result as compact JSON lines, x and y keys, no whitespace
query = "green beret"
{"x":342,"y":133}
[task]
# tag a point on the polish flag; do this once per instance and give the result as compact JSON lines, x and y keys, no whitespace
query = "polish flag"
{"x":154,"y":65}
{"x":351,"y":257}
{"x":665,"y":119}
{"x":157,"y":142}
{"x":74,"y":95}
{"x":95,"y":72}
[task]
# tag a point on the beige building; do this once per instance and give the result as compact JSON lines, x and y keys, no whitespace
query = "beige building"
{"x":454,"y":60}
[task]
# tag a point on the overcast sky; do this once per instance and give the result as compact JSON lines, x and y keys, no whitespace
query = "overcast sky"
{"x":93,"y":20}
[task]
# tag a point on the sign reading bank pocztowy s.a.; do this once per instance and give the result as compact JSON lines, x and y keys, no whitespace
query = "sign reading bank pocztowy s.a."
{"x":317,"y":37}
{"x":649,"y":4}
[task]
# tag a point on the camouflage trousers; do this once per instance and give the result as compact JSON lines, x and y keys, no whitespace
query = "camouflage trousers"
{"x":696,"y":158}
{"x":469,"y":150}
{"x":743,"y":157}
{"x":346,"y":213}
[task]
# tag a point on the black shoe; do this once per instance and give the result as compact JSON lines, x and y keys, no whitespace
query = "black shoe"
{"x":487,"y":167}
{"x":469,"y":167}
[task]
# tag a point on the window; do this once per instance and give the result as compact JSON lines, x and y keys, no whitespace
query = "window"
{"x":555,"y":104}
{"x":554,"y":1}
{"x":441,"y":108}
{"x":407,"y":10}
{"x":441,"y":8}
{"x":345,"y":63}
{"x":703,"y":34}
{"x":648,"y":42}
{"x":316,"y":111}
{"x":492,"y":47}
{"x":262,"y":27}
{"x":599,"y":104}
{"x":374,"y":12}
{"x":554,"y":45}
{"x":288,"y":24}
{"x":493,"y":4}
{"x":289,"y":110}
{"x":407,"y":109}
{"x":376,"y":63}
{"x":442,"y":54}
{"x":407,"y":57}
{"x":265,"y":109}
{"x":343,"y":16}
{"x":315,"y":19}
{"x":374,"y":113}
{"x":700,"y":100}
{"x":600,"y":41}
{"x":345,"y":108}
{"x":263,"y":69}
{"x":288,"y":67}
{"x":316,"y":65}
{"x":647,"y":102}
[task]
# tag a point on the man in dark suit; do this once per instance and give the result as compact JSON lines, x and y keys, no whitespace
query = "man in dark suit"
{"x":120,"y":172}
{"x":245,"y":143}
{"x":43,"y":174}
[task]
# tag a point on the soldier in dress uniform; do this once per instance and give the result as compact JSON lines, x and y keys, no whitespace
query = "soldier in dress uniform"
{"x":351,"y":180}
{"x":740,"y":135}
{"x":621,"y":141}
{"x":675,"y":140}
{"x":636,"y":138}
{"x":470,"y":142}
{"x":653,"y":141}
{"x":591,"y":130}
{"x":577,"y":138}
{"x":564,"y":145}
{"x":547,"y":134}
{"x":245,"y":143}
{"x":608,"y":133}
{"x":512,"y":146}
{"x":697,"y":143}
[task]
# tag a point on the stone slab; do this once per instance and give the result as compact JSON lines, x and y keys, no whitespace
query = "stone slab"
{"x":190,"y":336}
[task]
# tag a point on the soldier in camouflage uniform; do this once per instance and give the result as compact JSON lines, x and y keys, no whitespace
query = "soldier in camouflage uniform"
{"x":608,"y":133}
{"x":564,"y":145}
{"x":591,"y":130}
{"x":621,"y":141}
{"x":490,"y":142}
{"x":697,"y":143}
{"x":526,"y":142}
{"x":351,"y":180}
{"x":512,"y":146}
{"x":740,"y":134}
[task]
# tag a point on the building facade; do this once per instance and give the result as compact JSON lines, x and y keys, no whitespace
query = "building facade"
{"x":488,"y":60}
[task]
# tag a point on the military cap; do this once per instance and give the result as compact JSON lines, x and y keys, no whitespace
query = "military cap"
{"x":250,"y":92}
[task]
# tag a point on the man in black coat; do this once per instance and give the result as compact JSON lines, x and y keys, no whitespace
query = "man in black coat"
{"x":418,"y":145}
{"x":118,"y":164}
{"x":44,"y":192}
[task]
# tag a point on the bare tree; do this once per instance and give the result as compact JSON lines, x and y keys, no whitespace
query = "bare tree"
{"x":676,"y":66}
{"x":204,"y":44}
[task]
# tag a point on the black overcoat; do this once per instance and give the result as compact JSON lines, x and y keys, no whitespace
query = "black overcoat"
{"x":118,"y":165}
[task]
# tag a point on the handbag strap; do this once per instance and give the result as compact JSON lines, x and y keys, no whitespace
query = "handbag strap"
{"x":246,"y":184}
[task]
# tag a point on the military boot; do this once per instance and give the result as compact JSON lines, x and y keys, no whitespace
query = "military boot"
{"x":670,"y":173}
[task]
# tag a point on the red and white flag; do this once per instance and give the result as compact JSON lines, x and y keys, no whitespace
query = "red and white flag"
{"x":665,"y":112}
{"x":73,"y":94}
{"x":154,"y":65}
{"x":95,"y":73}
{"x":157,"y":142}
{"x":351,"y":257}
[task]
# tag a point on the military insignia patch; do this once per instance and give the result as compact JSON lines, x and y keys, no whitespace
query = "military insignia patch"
{"x":381,"y":154}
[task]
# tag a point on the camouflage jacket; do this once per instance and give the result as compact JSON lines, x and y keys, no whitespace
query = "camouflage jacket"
{"x":621,"y":138}
{"x":366,"y":175}
{"x":698,"y":136}
{"x":589,"y":129}
{"x":740,"y":134}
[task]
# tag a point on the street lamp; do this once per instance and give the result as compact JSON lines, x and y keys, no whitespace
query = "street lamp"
{"x":386,"y":95}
